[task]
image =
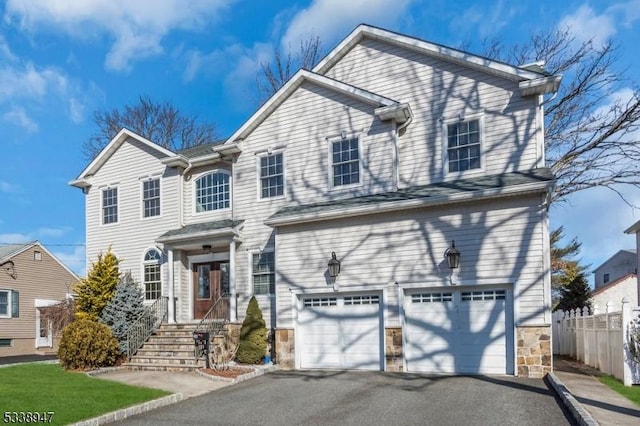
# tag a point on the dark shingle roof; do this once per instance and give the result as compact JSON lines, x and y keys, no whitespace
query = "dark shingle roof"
{"x":7,"y":251}
{"x":200,"y":150}
{"x":424,"y":192}
{"x":196,"y":228}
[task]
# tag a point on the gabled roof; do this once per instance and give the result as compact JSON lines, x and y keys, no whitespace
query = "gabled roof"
{"x":633,"y":229}
{"x":200,"y":150}
{"x":465,"y":59}
{"x":294,"y":83}
{"x":198,"y":230}
{"x":109,"y":150}
{"x":439,"y":193}
{"x":7,"y":252}
{"x":627,"y":251}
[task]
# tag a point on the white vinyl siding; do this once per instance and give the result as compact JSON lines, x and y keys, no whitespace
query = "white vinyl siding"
{"x":438,"y":90}
{"x":499,"y":240}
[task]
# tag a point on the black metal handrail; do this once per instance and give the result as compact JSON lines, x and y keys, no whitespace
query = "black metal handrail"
{"x":142,"y":328}
{"x":213,"y":324}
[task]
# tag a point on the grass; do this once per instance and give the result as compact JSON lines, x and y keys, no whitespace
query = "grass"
{"x":71,"y":396}
{"x":632,"y":393}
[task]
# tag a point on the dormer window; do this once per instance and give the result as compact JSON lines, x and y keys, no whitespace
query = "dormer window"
{"x":212,"y":192}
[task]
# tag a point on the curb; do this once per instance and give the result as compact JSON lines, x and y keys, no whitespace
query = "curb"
{"x":580,"y":415}
{"x":123,"y":413}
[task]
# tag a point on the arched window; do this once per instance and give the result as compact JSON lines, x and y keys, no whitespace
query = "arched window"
{"x":152,"y":274}
{"x":212,"y":192}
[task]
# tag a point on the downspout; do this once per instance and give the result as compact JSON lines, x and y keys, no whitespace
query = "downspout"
{"x":181,"y":193}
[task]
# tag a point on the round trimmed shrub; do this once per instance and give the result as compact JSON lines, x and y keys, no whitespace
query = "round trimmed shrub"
{"x":87,"y":344}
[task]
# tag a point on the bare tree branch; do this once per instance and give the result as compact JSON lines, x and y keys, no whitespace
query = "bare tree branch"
{"x":592,"y":124}
{"x":273,"y":75}
{"x":161,"y":123}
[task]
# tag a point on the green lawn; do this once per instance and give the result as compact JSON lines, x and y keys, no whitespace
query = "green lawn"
{"x":632,"y":393}
{"x":70,"y":396}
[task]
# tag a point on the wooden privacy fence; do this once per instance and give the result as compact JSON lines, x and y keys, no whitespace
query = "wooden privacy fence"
{"x":600,"y":340}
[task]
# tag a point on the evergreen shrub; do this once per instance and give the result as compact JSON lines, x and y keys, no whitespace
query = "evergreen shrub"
{"x":87,"y":344}
{"x":126,"y":307}
{"x":253,"y":335}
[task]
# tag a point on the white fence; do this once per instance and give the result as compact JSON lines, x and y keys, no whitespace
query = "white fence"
{"x":600,"y":340}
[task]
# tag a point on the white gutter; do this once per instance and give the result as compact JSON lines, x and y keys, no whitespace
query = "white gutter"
{"x":410,"y":204}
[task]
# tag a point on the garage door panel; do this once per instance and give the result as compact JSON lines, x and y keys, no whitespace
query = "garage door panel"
{"x":345,"y":328}
{"x":456,"y":332}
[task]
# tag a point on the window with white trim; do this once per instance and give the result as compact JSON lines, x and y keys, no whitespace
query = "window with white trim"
{"x":264,"y":272}
{"x":212,"y":192}
{"x":345,"y":162}
{"x":271,"y":176}
{"x":9,"y":304}
{"x":152,"y":274}
{"x":151,"y":198}
{"x":463,"y":145}
{"x":109,"y":205}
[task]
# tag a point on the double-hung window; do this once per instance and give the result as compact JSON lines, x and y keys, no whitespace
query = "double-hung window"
{"x":212,"y":192}
{"x":264,"y":272}
{"x":345,"y":162}
{"x":9,"y":304}
{"x":463,"y":145}
{"x":271,"y":176}
{"x":152,"y":274}
{"x":109,"y":205}
{"x":151,"y":198}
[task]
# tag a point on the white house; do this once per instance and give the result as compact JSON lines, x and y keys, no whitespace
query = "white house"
{"x":615,"y":291}
{"x":375,"y":161}
{"x":621,"y":264}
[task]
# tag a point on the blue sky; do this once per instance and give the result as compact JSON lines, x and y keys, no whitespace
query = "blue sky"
{"x":61,"y":60}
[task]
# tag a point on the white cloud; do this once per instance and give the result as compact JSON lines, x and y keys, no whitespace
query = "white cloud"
{"x":484,"y":20}
{"x":137,"y":28}
{"x":586,"y":25}
{"x":7,"y":187}
{"x":330,"y":19}
{"x":5,"y":50}
{"x":75,"y":259}
{"x":14,"y":238}
{"x":28,"y":82}
{"x":17,"y":116}
{"x":53,"y":232}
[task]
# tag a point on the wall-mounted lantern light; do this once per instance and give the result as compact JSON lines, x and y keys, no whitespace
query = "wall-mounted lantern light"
{"x":206,"y":248}
{"x":334,"y":265}
{"x":453,"y":255}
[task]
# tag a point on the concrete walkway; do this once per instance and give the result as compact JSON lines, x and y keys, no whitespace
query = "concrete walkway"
{"x":602,"y":405}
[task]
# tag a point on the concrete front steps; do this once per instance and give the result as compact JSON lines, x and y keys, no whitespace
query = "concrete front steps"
{"x":170,"y":348}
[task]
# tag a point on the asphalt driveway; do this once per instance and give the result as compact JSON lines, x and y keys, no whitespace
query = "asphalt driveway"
{"x":367,"y":398}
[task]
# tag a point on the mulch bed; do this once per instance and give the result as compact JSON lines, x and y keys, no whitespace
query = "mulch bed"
{"x":229,"y":372}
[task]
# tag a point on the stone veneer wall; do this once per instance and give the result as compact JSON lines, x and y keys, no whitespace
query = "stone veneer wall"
{"x":393,"y":348}
{"x":285,"y":348}
{"x":534,"y":351}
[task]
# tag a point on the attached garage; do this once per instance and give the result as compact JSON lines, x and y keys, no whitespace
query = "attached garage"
{"x":461,"y":331}
{"x":340,"y":331}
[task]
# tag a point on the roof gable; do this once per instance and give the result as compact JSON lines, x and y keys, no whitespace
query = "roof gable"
{"x":12,"y":250}
{"x":293,"y":84}
{"x":108,"y":151}
{"x":426,"y":48}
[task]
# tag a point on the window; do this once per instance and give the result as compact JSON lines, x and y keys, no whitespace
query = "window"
{"x":212,"y":192}
{"x":152,"y":280}
{"x":37,"y":255}
{"x":109,"y":205}
{"x":463,"y":146}
{"x":264,"y":276}
{"x":468,"y":296}
{"x":605,"y":278}
{"x":9,"y":304}
{"x":271,"y":176}
{"x":345,"y":162}
{"x":151,"y":198}
{"x":6,"y":343}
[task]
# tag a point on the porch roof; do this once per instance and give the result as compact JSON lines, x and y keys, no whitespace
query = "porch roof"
{"x":501,"y":185}
{"x":192,"y":236}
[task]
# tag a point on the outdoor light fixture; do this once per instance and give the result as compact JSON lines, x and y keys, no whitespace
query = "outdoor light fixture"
{"x":206,"y":248}
{"x":453,"y":255}
{"x":334,"y":265}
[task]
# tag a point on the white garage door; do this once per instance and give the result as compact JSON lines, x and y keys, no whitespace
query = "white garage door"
{"x":463,"y":332}
{"x":340,"y":332}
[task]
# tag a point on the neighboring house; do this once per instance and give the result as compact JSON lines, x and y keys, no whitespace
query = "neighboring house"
{"x":615,"y":291}
{"x":382,"y":155}
{"x":621,"y":264}
{"x":31,"y":279}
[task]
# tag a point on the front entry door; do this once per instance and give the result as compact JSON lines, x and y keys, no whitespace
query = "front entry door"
{"x":206,"y":287}
{"x":43,"y":330}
